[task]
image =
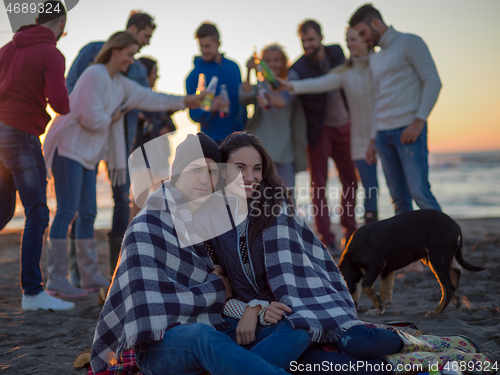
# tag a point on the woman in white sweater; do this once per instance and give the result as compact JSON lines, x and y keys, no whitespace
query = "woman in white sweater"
{"x":77,"y":142}
{"x":355,"y":78}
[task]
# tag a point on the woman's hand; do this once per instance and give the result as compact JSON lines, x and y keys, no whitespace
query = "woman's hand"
{"x":118,"y":114}
{"x":284,"y":84}
{"x":275,"y":311}
{"x":371,"y":153}
{"x":225,"y":280}
{"x":245,"y":330}
{"x":251,"y":64}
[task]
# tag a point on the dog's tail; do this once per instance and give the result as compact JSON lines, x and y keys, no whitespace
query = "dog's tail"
{"x":461,"y":260}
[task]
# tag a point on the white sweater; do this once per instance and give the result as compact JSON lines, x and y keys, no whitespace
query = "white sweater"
{"x":405,"y":80}
{"x":356,"y":82}
{"x":86,"y":134}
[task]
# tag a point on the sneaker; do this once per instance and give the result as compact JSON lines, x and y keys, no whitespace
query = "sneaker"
{"x":333,"y":249}
{"x":42,"y":301}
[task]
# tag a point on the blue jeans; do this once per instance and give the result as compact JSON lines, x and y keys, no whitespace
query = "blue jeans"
{"x":363,"y":343}
{"x":75,"y":192}
{"x":335,"y":362}
{"x":368,"y":174}
{"x":277,"y":344}
{"x":406,"y":170}
{"x":190,"y":349}
{"x":22,"y":168}
{"x":121,"y":210}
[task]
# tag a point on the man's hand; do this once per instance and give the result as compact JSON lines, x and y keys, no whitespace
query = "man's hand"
{"x":411,"y":133}
{"x":194,"y":101}
{"x":219,"y":104}
{"x":245,"y":330}
{"x":225,"y":280}
{"x":371,"y":153}
{"x":275,"y":311}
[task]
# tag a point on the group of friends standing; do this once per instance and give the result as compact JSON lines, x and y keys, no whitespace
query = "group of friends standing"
{"x":220,"y":245}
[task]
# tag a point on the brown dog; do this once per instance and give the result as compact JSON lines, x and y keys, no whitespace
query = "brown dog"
{"x":383,"y":247}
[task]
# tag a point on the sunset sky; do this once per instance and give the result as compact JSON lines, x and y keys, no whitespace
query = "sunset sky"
{"x":462,"y":36}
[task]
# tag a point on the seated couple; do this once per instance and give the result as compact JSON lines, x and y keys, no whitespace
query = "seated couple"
{"x":190,"y":251}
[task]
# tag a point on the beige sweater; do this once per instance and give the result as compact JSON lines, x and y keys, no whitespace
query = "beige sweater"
{"x":405,"y":80}
{"x":86,"y":134}
{"x":356,"y":82}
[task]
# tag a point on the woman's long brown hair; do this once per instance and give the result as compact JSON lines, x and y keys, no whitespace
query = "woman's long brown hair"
{"x":271,"y":192}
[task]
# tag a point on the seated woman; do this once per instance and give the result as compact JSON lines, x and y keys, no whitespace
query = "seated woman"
{"x":279,"y":270}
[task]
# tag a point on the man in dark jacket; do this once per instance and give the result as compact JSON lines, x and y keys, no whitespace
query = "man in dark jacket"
{"x":329,"y":132}
{"x":31,"y":70}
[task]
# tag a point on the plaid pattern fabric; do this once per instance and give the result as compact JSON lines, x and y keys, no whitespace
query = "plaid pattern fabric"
{"x":125,"y":366}
{"x":302,"y":275}
{"x":164,"y":278}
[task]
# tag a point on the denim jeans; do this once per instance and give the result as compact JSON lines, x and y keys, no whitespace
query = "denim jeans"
{"x":369,"y":343}
{"x":406,"y":170}
{"x":368,"y":174}
{"x":22,"y":168}
{"x":278,"y":344}
{"x":190,"y":349}
{"x":75,"y":192}
{"x":335,"y":362}
{"x":121,"y":209}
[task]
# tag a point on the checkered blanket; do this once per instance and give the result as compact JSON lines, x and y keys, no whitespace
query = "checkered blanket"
{"x":303,"y":276}
{"x":162,"y":280}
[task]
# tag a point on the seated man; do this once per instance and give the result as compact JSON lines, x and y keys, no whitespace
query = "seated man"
{"x":165,"y":300}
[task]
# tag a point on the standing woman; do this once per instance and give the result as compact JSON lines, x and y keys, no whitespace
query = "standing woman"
{"x":77,"y":142}
{"x":281,"y":127}
{"x":355,"y":78}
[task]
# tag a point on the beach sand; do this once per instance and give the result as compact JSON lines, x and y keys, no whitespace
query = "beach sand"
{"x":46,"y":342}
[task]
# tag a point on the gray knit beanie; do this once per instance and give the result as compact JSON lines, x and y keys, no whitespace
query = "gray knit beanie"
{"x":192,"y":148}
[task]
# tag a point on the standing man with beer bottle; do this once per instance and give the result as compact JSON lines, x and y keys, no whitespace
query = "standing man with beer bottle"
{"x":211,"y":64}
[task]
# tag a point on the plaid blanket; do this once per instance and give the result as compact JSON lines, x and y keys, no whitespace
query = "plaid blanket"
{"x":302,"y":275}
{"x":164,"y":278}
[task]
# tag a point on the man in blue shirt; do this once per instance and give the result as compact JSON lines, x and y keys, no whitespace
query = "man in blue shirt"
{"x":141,"y":25}
{"x":212,"y":63}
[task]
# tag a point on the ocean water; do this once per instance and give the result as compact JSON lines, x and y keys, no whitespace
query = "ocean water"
{"x":466,"y":185}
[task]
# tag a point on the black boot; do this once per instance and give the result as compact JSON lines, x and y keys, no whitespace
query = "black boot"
{"x":371,"y":217}
{"x":114,"y":248}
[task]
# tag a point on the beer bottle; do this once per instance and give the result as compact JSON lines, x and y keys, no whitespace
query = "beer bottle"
{"x":258,"y":66}
{"x":225,"y":110}
{"x":201,"y":84}
{"x":269,"y":75}
{"x":262,"y":94}
{"x":206,"y":103}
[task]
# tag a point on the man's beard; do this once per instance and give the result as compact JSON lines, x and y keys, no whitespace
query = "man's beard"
{"x":314,"y":53}
{"x":375,"y":37}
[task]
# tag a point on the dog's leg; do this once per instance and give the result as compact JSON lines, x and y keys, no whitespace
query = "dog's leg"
{"x":357,"y":294}
{"x":386,"y":287}
{"x":455,"y":274}
{"x":371,"y":275}
{"x":448,"y":290}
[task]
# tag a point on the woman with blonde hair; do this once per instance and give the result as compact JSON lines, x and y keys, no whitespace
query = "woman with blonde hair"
{"x":282,"y":126}
{"x":77,"y":142}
